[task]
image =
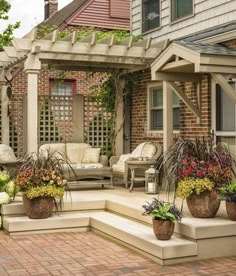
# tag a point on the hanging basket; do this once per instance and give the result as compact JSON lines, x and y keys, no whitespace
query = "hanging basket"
{"x":163,"y":229}
{"x":39,"y":207}
{"x":204,"y":205}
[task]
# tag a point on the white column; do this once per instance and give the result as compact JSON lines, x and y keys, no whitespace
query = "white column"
{"x":32,"y":68}
{"x":167,"y":117}
{"x":5,"y":118}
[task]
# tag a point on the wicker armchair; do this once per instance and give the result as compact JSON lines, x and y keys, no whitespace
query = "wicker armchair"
{"x":121,"y":171}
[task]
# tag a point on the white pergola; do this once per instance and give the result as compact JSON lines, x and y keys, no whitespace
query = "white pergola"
{"x":169,"y":63}
{"x":68,"y":54}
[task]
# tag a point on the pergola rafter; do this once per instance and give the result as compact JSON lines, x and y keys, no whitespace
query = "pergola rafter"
{"x":98,"y":54}
{"x":69,"y":53}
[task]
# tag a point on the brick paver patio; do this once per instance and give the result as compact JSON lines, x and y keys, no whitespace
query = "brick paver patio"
{"x":89,"y":254}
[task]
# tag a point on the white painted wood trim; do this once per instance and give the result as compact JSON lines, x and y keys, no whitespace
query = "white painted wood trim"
{"x":167,"y":116}
{"x":184,"y":99}
{"x":150,"y":86}
{"x":225,"y":86}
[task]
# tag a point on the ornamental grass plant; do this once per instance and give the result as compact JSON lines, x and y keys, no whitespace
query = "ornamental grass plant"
{"x":186,"y":160}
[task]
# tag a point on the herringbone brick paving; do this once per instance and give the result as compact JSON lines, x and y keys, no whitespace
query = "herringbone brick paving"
{"x":88,"y":254}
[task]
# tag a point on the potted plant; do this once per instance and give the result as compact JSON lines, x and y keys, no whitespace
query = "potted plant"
{"x":164,"y":216}
{"x":40,"y":179}
{"x":228,"y":193}
{"x":195,"y":171}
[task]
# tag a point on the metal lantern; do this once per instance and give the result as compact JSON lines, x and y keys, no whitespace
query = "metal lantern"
{"x":151,"y":180}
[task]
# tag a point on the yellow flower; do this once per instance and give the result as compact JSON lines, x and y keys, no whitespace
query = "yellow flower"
{"x":188,"y":186}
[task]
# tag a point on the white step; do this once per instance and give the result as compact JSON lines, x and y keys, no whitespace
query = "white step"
{"x":132,"y":233}
{"x":17,"y":208}
{"x":23,"y":224}
{"x":206,"y":228}
{"x":141,"y":236}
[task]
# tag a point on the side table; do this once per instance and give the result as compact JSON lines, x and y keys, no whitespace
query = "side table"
{"x":138,"y":164}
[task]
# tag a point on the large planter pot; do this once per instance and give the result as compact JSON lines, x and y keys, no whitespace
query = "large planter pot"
{"x":231,"y":209}
{"x":204,"y":205}
{"x":39,"y":207}
{"x":163,"y":229}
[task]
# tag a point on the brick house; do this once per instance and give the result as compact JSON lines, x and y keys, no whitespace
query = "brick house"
{"x":200,"y":36}
{"x":76,"y":16}
{"x":187,"y":90}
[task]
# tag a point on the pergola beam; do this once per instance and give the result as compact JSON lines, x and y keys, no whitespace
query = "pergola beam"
{"x":193,"y":77}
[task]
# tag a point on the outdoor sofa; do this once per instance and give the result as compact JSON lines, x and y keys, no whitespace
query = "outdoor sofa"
{"x":79,"y":155}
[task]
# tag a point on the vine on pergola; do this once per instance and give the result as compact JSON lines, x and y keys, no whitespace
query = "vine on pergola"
{"x":114,"y":86}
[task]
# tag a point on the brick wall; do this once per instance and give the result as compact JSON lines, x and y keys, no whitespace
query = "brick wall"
{"x":189,"y":126}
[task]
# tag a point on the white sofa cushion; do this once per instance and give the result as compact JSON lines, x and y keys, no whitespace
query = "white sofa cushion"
{"x":57,"y":147}
{"x":118,"y":168}
{"x":91,"y":155}
{"x":75,"y":151}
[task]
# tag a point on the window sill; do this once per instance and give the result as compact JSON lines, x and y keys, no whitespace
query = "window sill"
{"x":151,"y":31}
{"x":175,"y":21}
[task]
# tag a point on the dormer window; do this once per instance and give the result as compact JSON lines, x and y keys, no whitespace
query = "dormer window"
{"x":150,"y":14}
{"x":181,"y":9}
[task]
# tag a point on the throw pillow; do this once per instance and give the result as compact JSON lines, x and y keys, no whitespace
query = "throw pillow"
{"x":6,"y":154}
{"x":91,"y":155}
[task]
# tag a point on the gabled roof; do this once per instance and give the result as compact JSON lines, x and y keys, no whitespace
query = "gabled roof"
{"x":62,"y":15}
{"x":189,"y":57}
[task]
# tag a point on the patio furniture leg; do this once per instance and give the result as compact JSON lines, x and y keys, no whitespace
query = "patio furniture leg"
{"x":132,"y":170}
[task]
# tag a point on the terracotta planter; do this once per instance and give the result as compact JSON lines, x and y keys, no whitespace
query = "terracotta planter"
{"x":163,"y":229}
{"x":204,"y":205}
{"x":231,"y":209}
{"x":38,"y":208}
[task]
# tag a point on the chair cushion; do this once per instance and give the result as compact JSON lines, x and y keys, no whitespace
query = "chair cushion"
{"x":118,"y":168}
{"x":6,"y":154}
{"x":57,"y":148}
{"x":148,"y":150}
{"x":91,"y":155}
{"x":75,"y":151}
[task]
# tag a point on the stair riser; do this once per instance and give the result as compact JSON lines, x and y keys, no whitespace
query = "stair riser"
{"x":48,"y":224}
{"x":142,"y":244}
{"x":18,"y":209}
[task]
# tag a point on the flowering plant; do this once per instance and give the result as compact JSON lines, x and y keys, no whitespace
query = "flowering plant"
{"x":197,"y":159}
{"x":187,"y":186}
{"x":218,"y":172}
{"x":161,"y":210}
{"x":41,"y":175}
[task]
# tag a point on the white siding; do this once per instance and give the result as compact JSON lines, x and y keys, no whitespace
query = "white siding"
{"x":207,"y":14}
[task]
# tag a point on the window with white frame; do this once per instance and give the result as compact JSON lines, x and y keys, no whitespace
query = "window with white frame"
{"x":224,"y":117}
{"x":62,"y":87}
{"x":181,"y":8}
{"x":150,"y":14}
{"x":61,"y":90}
{"x":156,"y":109}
